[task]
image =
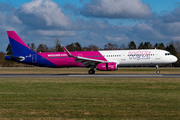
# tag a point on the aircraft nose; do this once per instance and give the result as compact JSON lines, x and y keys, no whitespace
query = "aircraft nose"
{"x":174,"y":59}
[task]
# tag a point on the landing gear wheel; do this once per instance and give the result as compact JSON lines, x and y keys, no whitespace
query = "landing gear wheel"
{"x":91,"y":71}
{"x":157,"y":71}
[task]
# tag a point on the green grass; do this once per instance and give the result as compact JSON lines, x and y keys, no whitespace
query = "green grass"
{"x":79,"y":98}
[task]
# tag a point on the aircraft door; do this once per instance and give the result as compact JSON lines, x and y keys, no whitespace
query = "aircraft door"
{"x":123,"y":56}
{"x":34,"y":58}
{"x":157,"y":55}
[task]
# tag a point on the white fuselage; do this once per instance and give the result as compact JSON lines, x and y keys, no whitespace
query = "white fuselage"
{"x":139,"y":57}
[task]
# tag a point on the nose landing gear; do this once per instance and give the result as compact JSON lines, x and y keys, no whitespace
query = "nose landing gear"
{"x":157,"y":70}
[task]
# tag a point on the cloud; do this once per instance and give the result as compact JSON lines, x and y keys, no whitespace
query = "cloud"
{"x":92,"y":24}
{"x":8,"y":21}
{"x":56,"y":33}
{"x":81,"y":0}
{"x":173,"y":16}
{"x":168,"y":23}
{"x":162,"y":27}
{"x":42,"y":14}
{"x":146,"y":32}
{"x":117,"y":39}
{"x":134,"y":9}
{"x":6,"y":7}
{"x":41,"y":21}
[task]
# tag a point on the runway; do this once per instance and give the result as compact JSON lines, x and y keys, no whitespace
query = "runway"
{"x":89,"y":76}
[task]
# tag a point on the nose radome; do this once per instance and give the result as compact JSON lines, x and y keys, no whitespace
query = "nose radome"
{"x":174,"y":59}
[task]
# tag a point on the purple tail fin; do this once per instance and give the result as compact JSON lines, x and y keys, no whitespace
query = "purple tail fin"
{"x":17,"y":44}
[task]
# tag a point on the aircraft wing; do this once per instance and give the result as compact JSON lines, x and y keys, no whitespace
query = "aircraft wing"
{"x":87,"y":62}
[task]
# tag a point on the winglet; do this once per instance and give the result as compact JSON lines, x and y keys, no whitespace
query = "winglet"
{"x":67,"y":52}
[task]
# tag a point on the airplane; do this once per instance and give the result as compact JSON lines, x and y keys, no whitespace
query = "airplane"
{"x":107,"y":60}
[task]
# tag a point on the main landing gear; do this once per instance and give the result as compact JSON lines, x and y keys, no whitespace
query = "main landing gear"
{"x":157,"y":71}
{"x":92,"y":71}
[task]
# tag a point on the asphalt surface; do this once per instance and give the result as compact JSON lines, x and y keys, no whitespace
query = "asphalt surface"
{"x":89,"y":76}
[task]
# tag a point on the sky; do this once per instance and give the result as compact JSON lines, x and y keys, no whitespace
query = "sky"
{"x":96,"y":22}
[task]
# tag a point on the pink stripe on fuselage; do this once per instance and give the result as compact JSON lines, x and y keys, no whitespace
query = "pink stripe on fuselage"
{"x":15,"y":37}
{"x":61,"y":59}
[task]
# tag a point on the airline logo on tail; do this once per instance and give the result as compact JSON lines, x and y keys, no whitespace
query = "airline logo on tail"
{"x":22,"y":53}
{"x":17,"y":44}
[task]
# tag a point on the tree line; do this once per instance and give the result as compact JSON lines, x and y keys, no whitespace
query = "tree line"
{"x":172,"y":47}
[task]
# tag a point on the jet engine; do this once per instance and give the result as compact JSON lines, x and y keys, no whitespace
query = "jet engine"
{"x":107,"y":66}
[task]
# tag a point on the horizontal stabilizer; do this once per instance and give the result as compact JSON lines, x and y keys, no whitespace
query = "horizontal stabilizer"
{"x":20,"y":58}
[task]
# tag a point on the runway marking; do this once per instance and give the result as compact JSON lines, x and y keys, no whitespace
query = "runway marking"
{"x":118,"y":75}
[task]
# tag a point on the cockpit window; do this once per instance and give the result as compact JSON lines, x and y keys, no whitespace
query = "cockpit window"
{"x":167,"y":53}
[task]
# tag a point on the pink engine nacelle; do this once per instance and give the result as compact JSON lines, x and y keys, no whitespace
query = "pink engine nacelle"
{"x":107,"y":66}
